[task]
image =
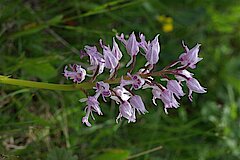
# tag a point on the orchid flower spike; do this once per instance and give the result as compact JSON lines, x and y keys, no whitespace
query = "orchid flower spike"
{"x":122,"y":89}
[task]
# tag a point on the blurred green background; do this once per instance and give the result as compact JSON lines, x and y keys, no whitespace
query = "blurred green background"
{"x":37,"y":38}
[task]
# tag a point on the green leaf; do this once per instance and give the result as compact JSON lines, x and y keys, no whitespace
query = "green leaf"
{"x":114,"y":154}
{"x":55,"y":20}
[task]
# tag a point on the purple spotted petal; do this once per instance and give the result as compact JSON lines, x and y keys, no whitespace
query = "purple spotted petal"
{"x":103,"y":89}
{"x":136,"y":81}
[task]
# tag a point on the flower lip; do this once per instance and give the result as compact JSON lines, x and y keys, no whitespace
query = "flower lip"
{"x":94,"y":105}
{"x":103,"y":89}
{"x":85,"y":120}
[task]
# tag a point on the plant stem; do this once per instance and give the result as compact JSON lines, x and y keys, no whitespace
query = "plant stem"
{"x":52,"y":86}
{"x":64,"y":87}
{"x":43,"y":85}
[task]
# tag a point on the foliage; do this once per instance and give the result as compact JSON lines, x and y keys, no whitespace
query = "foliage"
{"x":60,"y":154}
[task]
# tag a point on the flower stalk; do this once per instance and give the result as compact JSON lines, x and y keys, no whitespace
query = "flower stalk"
{"x":61,"y":87}
{"x":52,"y":86}
{"x":43,"y":85}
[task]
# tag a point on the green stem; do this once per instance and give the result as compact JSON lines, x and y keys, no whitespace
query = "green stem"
{"x":43,"y":85}
{"x":62,"y":87}
{"x":50,"y":86}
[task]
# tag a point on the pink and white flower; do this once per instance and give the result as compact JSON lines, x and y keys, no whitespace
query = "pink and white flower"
{"x":131,"y":46}
{"x":190,"y":57}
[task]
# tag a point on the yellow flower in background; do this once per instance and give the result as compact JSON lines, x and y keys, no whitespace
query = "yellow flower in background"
{"x":167,"y":23}
{"x":161,"y":18}
{"x":168,"y":27}
{"x":168,"y":20}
